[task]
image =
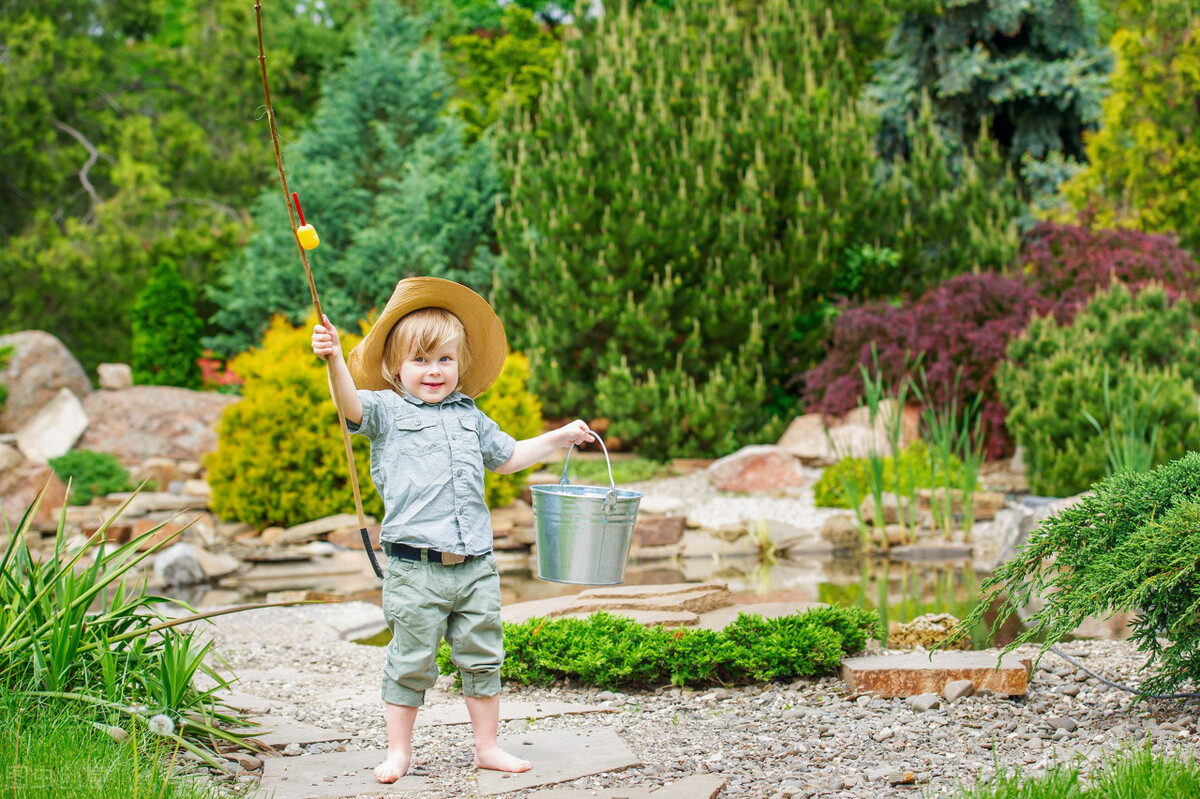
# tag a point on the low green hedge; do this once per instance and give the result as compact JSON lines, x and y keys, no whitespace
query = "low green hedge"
{"x":610,"y":651}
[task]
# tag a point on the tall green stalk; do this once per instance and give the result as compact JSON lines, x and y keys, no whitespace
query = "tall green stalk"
{"x":1131,"y":438}
{"x":88,"y":635}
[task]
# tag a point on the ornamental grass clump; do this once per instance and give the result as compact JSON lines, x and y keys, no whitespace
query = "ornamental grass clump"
{"x":77,"y":631}
{"x":1132,"y":545}
{"x":611,"y":651}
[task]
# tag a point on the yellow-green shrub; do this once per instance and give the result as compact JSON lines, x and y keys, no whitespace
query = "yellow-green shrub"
{"x":519,"y":413}
{"x":916,"y":471}
{"x":280,"y":458}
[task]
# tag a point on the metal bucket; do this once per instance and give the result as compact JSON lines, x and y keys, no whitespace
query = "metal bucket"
{"x":584,"y":532}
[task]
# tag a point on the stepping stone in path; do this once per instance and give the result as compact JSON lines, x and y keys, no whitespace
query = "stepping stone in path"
{"x":888,"y":676}
{"x":278,"y":732}
{"x":331,"y":776}
{"x":558,"y":756}
{"x":697,"y":786}
{"x":456,"y":712}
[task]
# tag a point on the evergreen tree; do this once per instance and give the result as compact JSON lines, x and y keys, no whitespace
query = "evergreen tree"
{"x":385,"y":178}
{"x":680,"y":217}
{"x":166,"y":331}
{"x":1033,"y":71}
{"x":1144,"y":162}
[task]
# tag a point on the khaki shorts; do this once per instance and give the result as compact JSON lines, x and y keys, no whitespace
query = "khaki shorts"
{"x":426,"y":602}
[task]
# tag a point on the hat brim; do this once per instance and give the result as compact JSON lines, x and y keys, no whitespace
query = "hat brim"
{"x":486,"y":340}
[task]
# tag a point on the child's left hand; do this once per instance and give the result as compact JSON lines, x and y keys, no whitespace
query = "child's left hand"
{"x":576,"y":432}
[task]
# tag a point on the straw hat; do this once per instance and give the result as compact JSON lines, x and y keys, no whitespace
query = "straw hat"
{"x":486,"y":341}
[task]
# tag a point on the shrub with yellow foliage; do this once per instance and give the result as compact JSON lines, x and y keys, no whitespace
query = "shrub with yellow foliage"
{"x":280,"y":458}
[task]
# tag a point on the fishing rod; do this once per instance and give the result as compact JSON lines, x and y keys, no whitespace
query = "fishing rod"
{"x":307,"y":239}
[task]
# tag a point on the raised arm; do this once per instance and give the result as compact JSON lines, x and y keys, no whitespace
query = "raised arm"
{"x":537,"y":449}
{"x":326,"y":344}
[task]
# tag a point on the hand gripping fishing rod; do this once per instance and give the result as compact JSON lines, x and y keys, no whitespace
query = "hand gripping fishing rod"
{"x":306,"y":239}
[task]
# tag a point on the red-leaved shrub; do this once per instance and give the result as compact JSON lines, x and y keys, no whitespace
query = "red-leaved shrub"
{"x":965,"y":324}
{"x":1070,"y":264}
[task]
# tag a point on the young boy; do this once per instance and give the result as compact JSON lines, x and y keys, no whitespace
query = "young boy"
{"x":409,"y":388}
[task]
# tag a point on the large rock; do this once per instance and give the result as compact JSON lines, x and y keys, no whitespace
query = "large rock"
{"x":154,"y":421}
{"x":916,"y":673}
{"x":820,"y":440}
{"x":756,"y":468}
{"x":54,"y":429}
{"x":40,"y":366}
{"x":20,"y":484}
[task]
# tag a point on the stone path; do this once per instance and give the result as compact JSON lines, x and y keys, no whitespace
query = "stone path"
{"x":777,"y":741}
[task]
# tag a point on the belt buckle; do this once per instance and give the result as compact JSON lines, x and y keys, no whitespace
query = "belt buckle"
{"x":451,"y":559}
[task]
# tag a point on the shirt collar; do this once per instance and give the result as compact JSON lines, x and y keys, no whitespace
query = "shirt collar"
{"x":454,"y":397}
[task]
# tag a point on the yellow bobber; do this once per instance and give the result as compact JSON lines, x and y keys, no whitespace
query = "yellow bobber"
{"x":308,"y":236}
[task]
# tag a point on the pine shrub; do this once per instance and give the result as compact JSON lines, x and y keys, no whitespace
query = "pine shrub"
{"x":1054,"y":373}
{"x":682,"y":205}
{"x":166,"y":331}
{"x":92,"y":474}
{"x":611,"y":651}
{"x":280,"y":457}
{"x":1130,"y":546}
{"x":513,"y":406}
{"x":962,"y":328}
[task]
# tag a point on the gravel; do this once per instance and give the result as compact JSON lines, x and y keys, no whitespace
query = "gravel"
{"x":805,"y":738}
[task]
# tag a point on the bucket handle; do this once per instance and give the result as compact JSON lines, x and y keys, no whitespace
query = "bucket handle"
{"x":610,"y":499}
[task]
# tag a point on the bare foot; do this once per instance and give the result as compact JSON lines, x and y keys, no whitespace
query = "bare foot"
{"x":499,"y":760}
{"x":393,"y":767}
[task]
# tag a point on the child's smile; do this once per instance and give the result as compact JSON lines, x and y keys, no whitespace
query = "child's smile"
{"x":431,"y":377}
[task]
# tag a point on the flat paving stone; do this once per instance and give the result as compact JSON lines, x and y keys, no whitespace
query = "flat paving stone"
{"x":558,"y":756}
{"x":278,"y":731}
{"x":697,"y":786}
{"x":917,"y":673}
{"x":331,"y":776}
{"x":456,"y":712}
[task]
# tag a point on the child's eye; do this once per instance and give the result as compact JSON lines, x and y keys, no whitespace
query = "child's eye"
{"x":420,"y":359}
{"x":446,"y":358}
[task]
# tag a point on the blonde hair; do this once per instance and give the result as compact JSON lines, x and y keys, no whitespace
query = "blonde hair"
{"x":423,"y":332}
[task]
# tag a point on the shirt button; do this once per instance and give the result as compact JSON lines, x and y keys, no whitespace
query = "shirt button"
{"x":459,"y":472}
{"x":454,"y":436}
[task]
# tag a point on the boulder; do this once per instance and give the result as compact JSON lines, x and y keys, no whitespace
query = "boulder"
{"x":115,"y":376}
{"x":40,"y":366}
{"x":925,"y":631}
{"x":20,"y":484}
{"x":154,"y":421}
{"x":53,"y":430}
{"x":756,"y":468}
{"x":820,"y":440}
{"x":842,"y":532}
{"x":178,"y":565}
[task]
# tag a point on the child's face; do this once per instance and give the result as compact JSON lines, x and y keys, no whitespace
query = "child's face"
{"x":431,"y":377}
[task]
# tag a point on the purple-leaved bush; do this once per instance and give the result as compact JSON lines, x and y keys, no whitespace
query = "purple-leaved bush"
{"x":967,"y":322}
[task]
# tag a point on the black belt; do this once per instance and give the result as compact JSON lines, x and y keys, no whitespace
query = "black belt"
{"x":432,"y":555}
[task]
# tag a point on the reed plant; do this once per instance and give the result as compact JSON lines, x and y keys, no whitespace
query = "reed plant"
{"x":956,"y":446}
{"x":875,"y":392}
{"x":1131,"y":433}
{"x":89,"y":636}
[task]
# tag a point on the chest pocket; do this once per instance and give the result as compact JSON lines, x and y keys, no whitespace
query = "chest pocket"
{"x":419,"y":438}
{"x":470,"y":440}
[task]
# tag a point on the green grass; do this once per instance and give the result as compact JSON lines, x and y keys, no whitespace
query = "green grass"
{"x":594,"y":471}
{"x":1140,"y":774}
{"x":51,"y":750}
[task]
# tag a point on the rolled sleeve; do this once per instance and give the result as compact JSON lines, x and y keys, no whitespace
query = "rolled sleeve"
{"x":495,"y":445}
{"x":372,"y":415}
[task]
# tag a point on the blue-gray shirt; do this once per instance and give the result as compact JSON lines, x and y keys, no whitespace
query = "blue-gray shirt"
{"x":427,"y":462}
